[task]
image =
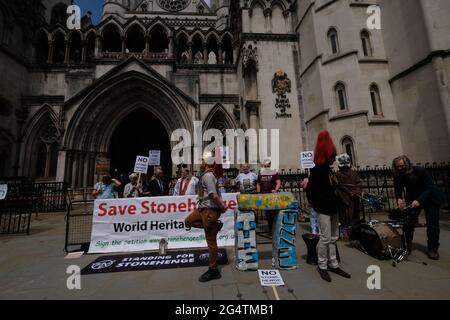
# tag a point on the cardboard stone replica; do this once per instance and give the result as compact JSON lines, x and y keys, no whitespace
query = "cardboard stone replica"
{"x":284,"y":248}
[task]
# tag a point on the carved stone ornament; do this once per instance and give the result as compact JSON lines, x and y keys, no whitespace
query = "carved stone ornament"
{"x":250,"y":56}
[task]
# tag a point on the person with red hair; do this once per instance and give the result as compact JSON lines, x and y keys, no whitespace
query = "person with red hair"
{"x":322,"y":197}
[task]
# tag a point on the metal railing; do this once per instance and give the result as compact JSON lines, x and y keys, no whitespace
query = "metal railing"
{"x":15,"y":212}
{"x":78,"y":225}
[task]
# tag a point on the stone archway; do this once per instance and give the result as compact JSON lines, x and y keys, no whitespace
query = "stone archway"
{"x":93,"y":124}
{"x":138,"y":132}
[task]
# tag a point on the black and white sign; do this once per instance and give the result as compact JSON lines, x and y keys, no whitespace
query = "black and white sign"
{"x":3,"y":191}
{"x":141,"y":165}
{"x":153,"y":261}
{"x":307,"y":160}
{"x":270,"y":278}
{"x":154,"y":158}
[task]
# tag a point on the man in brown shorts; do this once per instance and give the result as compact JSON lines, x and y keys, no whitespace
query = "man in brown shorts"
{"x":206,"y":216}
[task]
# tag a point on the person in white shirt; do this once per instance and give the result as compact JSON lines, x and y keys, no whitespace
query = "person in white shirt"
{"x":186,"y":185}
{"x":133,"y":189}
{"x":246,"y":180}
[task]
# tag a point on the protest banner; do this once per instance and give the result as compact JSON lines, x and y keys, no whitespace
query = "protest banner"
{"x":138,"y":224}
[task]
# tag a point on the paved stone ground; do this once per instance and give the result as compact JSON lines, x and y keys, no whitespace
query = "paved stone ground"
{"x":33,"y":267}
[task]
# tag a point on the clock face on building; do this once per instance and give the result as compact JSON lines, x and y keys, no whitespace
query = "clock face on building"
{"x":174,"y":5}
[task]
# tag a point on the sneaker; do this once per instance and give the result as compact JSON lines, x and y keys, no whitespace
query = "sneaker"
{"x":340,"y":272}
{"x":219,"y":225}
{"x":324,"y":275}
{"x":433,"y":254}
{"x":210,"y":275}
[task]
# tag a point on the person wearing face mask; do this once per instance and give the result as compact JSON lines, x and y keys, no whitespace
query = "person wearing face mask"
{"x":322,"y":197}
{"x":414,"y":191}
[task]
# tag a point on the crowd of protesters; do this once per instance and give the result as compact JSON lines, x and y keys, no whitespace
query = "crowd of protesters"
{"x":333,"y":199}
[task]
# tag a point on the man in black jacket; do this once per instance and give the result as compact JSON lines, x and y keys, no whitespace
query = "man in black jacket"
{"x":156,"y":185}
{"x":414,"y":191}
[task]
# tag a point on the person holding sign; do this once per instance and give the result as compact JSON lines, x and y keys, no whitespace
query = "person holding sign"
{"x":187,"y":184}
{"x":105,"y":188}
{"x":133,"y":189}
{"x":206,"y":216}
{"x":322,"y":197}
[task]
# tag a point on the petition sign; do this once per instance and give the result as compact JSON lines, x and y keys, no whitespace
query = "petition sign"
{"x":138,"y":224}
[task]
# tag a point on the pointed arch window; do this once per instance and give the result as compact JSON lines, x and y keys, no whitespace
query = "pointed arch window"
{"x":375,"y":99}
{"x":349,"y":148}
{"x":341,"y":96}
{"x":333,"y":40}
{"x":366,"y":44}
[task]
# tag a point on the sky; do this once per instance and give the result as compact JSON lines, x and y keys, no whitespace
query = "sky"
{"x":96,"y":7}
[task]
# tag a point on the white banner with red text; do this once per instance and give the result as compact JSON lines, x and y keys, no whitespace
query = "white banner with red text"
{"x":139,"y":224}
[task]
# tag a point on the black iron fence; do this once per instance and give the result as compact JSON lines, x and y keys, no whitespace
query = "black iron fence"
{"x":78,"y":225}
{"x":15,"y":211}
{"x":24,"y":198}
{"x":377,"y":180}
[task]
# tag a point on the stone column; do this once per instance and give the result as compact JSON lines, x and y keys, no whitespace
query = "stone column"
{"x":205,"y":53}
{"x":75,"y":163}
{"x":98,"y":46}
{"x":171,"y":47}
{"x":69,"y":168}
{"x":219,"y":58}
{"x":47,"y":160}
{"x":83,"y":51}
{"x":67,"y":53}
{"x":91,"y":170}
{"x":124,"y":45}
{"x":268,"y":14}
{"x":147,"y":46}
{"x":191,"y":57}
{"x":50,"y":51}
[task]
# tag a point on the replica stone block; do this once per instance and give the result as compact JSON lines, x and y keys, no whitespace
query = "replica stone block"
{"x":245,"y":239}
{"x":270,"y":201}
{"x":284,"y":253}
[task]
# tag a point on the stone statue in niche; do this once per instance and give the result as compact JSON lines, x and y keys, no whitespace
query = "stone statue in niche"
{"x":198,"y":58}
{"x":212,"y":58}
{"x":185,"y":57}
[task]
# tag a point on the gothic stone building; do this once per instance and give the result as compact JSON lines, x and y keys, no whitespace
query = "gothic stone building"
{"x":120,"y":88}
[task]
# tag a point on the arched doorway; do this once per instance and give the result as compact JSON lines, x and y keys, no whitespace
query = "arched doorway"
{"x":137,"y":133}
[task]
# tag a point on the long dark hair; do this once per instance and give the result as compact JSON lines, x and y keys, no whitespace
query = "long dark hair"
{"x":407,"y":162}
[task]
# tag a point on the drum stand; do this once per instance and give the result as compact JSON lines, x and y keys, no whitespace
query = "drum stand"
{"x":403,"y":254}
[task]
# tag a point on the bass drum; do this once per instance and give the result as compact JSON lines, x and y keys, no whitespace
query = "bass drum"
{"x":376,"y":239}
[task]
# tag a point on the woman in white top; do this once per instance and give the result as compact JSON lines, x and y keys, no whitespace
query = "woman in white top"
{"x":186,"y":185}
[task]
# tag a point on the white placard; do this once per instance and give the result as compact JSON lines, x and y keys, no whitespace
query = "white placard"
{"x":141,"y":165}
{"x":154,"y":158}
{"x":138,"y":224}
{"x":307,"y":160}
{"x":3,"y":191}
{"x":225,"y":152}
{"x":270,"y":278}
